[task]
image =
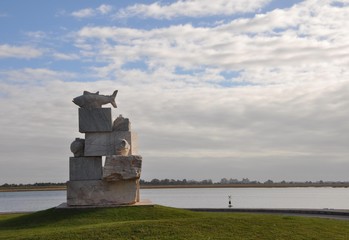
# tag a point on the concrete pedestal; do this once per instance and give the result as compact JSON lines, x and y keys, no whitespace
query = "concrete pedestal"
{"x":101,"y":193}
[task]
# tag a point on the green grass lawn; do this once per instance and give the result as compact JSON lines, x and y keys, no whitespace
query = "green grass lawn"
{"x":147,"y":222}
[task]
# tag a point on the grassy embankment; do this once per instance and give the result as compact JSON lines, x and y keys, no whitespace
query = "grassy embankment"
{"x":159,"y":222}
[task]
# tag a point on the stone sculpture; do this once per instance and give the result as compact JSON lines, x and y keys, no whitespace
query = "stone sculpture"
{"x":106,"y":143}
{"x":95,"y":120}
{"x":78,"y":147}
{"x":118,"y":168}
{"x":94,"y":100}
{"x":91,"y":184}
{"x":123,"y":147}
{"x":121,"y":124}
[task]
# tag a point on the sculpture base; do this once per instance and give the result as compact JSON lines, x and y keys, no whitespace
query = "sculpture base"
{"x":144,"y":202}
{"x":101,"y":193}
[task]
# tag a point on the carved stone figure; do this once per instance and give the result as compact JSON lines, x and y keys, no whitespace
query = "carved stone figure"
{"x":121,"y":124}
{"x":119,"y":168}
{"x":78,"y":147}
{"x":94,"y":100}
{"x":106,"y":143}
{"x":123,"y":148}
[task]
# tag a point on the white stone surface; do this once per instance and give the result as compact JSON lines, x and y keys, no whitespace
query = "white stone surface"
{"x":143,"y":202}
{"x":85,"y":168}
{"x":118,"y":168}
{"x":121,"y":124}
{"x":98,"y":192}
{"x":106,"y":143}
{"x":123,"y":148}
{"x":77,"y":147}
{"x":95,"y":120}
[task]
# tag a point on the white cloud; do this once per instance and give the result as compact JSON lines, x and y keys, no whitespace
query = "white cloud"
{"x":36,"y":35}
{"x":90,"y":12}
{"x":83,"y":13}
{"x":26,"y":52}
{"x":318,"y":20}
{"x":289,"y":122}
{"x":64,"y":56}
{"x":307,"y":42}
{"x":192,"y":8}
{"x":34,"y":75}
{"x":104,"y":9}
{"x":224,"y":132}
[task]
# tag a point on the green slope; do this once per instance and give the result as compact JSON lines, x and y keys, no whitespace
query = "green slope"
{"x":164,"y":223}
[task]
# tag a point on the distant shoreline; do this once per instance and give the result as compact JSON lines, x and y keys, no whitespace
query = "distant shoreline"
{"x":246,"y":185}
{"x":27,"y":189}
{"x":274,"y":185}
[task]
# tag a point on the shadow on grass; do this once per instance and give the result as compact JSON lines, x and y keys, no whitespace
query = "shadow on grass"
{"x":74,"y":217}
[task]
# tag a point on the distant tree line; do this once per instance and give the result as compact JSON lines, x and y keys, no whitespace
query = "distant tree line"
{"x":225,"y":181}
{"x":46,"y":184}
{"x":166,"y":181}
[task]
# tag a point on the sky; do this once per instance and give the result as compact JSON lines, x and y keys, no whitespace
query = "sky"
{"x":252,"y":89}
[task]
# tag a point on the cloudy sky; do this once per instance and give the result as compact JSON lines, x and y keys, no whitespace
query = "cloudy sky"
{"x":235,"y":89}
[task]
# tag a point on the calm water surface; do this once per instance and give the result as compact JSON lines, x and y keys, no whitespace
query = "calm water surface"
{"x":337,"y":198}
{"x":30,"y":201}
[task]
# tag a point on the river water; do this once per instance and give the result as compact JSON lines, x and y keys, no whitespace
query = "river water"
{"x":332,"y":198}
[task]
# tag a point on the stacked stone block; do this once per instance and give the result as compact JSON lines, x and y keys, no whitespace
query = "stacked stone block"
{"x":105,"y":143}
{"x":91,"y":184}
{"x":95,"y":120}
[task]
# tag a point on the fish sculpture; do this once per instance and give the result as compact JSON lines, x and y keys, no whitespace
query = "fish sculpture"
{"x":94,"y":100}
